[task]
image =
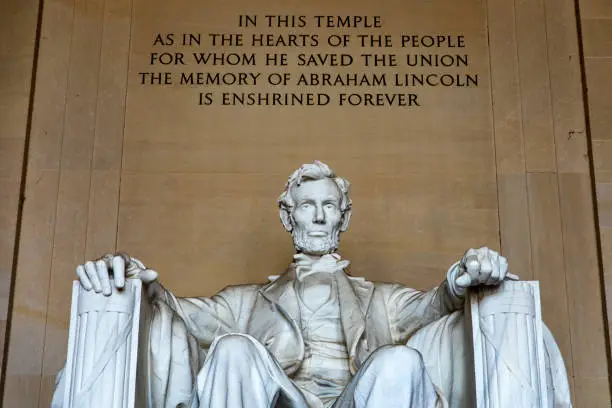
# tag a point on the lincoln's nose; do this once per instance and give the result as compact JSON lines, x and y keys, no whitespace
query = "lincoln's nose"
{"x":319,"y":215}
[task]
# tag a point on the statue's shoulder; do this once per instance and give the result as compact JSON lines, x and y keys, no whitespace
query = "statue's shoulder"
{"x":379,"y":289}
{"x":385,"y":287}
{"x":241,"y":291}
{"x":244,"y":288}
{"x":377,"y":286}
{"x":390,"y":290}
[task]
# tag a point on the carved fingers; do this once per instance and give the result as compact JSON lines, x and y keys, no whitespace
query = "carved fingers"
{"x":119,"y":271}
{"x":103,"y":274}
{"x":83,"y":278}
{"x":137,"y":270}
{"x":96,"y":275}
{"x":482,"y":266}
{"x":92,"y":274}
{"x":148,"y":276}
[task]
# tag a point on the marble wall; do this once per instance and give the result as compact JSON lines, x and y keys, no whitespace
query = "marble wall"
{"x":18,"y":23}
{"x":596,"y":22}
{"x":190,"y":189}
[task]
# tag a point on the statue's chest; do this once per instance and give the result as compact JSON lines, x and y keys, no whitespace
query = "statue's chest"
{"x":320,"y":316}
{"x":321,"y":321}
{"x":326,"y":357}
{"x":316,"y":291}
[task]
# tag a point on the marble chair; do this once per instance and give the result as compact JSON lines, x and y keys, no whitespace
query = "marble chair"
{"x":497,"y":352}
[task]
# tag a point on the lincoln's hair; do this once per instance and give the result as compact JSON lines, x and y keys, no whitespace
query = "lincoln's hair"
{"x":312,"y":172}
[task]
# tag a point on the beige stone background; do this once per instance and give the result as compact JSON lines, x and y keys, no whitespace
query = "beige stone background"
{"x":191,"y":190}
{"x":596,"y":19}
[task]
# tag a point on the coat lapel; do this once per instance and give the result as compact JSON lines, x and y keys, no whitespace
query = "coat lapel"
{"x":355,"y":295}
{"x":282,"y":293}
{"x":275,"y":322}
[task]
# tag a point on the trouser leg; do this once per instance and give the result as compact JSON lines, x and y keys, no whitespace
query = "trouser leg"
{"x":392,"y":377}
{"x":240,"y":373}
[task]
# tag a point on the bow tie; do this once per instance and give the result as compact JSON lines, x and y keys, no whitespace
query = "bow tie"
{"x":306,"y":265}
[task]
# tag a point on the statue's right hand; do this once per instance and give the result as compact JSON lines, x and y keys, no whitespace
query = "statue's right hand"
{"x":96,"y":274}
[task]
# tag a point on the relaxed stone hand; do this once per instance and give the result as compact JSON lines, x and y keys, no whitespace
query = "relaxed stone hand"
{"x":96,"y":275}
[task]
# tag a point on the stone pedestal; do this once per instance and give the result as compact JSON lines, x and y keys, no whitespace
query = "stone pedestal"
{"x":102,"y":368}
{"x":508,"y":346}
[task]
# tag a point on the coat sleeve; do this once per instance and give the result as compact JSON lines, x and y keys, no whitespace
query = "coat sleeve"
{"x":181,"y":332}
{"x":209,"y":317}
{"x":410,"y":309}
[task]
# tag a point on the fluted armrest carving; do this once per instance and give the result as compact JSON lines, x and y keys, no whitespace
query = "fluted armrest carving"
{"x":106,"y":339}
{"x":509,"y":360}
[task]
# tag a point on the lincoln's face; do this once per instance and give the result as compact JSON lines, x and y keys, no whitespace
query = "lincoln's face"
{"x":316,"y":216}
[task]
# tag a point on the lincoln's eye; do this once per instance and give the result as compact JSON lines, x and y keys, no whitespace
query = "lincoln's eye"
{"x":306,"y":205}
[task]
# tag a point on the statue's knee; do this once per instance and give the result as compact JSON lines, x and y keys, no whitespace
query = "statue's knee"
{"x":234,"y":345}
{"x":397,"y":360}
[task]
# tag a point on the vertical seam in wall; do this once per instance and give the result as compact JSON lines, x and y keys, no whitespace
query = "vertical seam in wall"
{"x":22,"y":188}
{"x":487,"y":26}
{"x":59,"y":182}
{"x":522,"y":129}
{"x":95,"y":129}
{"x":559,"y":203}
{"x":125,"y":102}
{"x":589,"y":142}
{"x":550,"y":90}
{"x":57,"y":209}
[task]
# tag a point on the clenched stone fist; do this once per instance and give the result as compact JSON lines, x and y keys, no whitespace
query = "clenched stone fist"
{"x":483,"y":266}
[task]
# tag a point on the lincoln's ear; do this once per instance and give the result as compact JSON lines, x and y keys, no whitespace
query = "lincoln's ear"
{"x":286,"y":219}
{"x":346,"y":219}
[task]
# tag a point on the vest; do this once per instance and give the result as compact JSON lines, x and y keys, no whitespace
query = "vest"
{"x":325,"y":369}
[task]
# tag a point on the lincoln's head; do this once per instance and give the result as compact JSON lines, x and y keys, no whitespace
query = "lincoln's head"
{"x":315,"y":207}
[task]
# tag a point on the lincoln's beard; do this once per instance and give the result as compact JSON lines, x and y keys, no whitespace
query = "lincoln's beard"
{"x":315,"y":245}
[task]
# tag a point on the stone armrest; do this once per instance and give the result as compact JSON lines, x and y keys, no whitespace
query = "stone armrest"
{"x":495,"y":354}
{"x":107,"y":337}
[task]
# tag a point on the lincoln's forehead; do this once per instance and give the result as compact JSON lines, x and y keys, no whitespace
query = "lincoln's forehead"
{"x":324,"y":189}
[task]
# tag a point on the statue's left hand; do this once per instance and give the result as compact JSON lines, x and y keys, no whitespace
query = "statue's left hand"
{"x":482,"y":266}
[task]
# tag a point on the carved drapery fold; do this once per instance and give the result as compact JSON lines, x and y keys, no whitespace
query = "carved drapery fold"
{"x":103,"y":348}
{"x":108,"y":366}
{"x":509,"y":361}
